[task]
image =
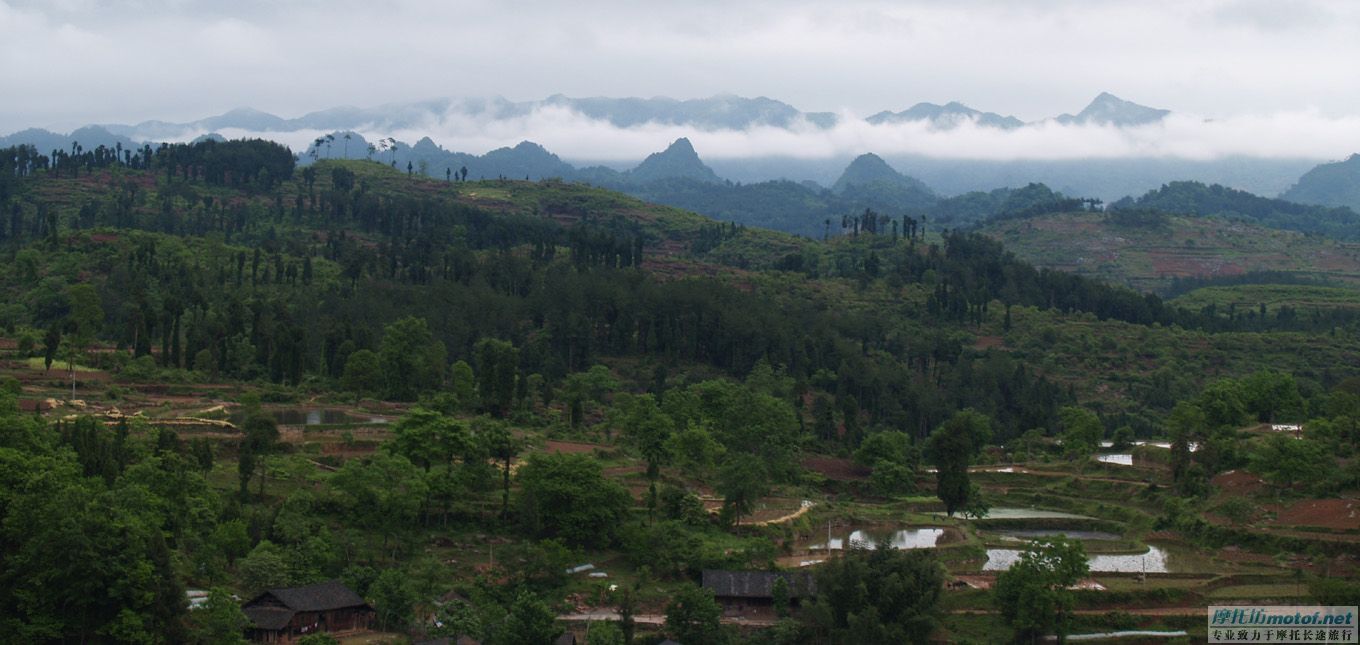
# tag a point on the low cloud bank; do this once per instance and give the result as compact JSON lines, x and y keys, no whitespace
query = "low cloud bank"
{"x":571,"y":135}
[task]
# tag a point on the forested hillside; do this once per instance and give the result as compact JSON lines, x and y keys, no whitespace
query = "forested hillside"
{"x":1334,"y":184}
{"x":1194,"y":198}
{"x":511,"y":378}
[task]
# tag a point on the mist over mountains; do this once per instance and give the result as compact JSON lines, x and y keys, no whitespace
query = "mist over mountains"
{"x":1109,"y":149}
{"x":722,"y":112}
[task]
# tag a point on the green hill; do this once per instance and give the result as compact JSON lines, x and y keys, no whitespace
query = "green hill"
{"x":327,"y":257}
{"x":1194,"y":198}
{"x":1332,"y":184}
{"x":677,"y":161}
{"x":869,"y":169}
{"x":1151,"y":251}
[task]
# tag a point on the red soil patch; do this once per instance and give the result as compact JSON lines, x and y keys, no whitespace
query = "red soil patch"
{"x":1237,"y":483}
{"x":974,"y":582}
{"x":675,"y":270}
{"x":638,"y":214}
{"x":34,"y":405}
{"x":344,"y":451}
{"x":1341,"y":514}
{"x":989,"y":342}
{"x":572,"y":447}
{"x":621,"y":471}
{"x":669,"y":248}
{"x":1235,"y":554}
{"x":774,"y":508}
{"x":836,"y":469}
{"x":1171,"y":263}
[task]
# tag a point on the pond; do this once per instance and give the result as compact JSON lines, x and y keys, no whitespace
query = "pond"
{"x":1165,"y":445}
{"x":1005,"y":513}
{"x":1130,"y":633}
{"x":869,"y":538}
{"x":316,"y":417}
{"x":1154,"y":561}
{"x":1030,"y":534}
{"x":1116,"y":458}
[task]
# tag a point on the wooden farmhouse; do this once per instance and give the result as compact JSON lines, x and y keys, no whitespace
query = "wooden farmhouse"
{"x":740,"y":590}
{"x":285,"y":615}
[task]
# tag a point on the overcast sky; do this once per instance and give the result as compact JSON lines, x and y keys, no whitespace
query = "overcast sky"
{"x":65,"y":63}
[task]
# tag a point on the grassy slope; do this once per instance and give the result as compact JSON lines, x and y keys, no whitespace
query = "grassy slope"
{"x":1148,"y":258}
{"x":1272,"y":296}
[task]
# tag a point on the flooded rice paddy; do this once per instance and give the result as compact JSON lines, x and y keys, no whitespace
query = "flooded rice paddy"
{"x":870,"y":538}
{"x":1153,"y":561}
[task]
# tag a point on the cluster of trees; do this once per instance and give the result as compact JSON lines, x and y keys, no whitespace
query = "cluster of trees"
{"x":92,"y":523}
{"x":952,"y":448}
{"x":101,"y":527}
{"x":24,"y":160}
{"x":877,"y":596}
{"x":1031,"y":200}
{"x":254,"y":163}
{"x":257,"y":163}
{"x":1211,"y":420}
{"x":1332,"y":431}
{"x":745,"y":437}
{"x":1034,"y":595}
{"x":20,"y":161}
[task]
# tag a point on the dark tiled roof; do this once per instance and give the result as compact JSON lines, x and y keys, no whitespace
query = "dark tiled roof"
{"x":322,"y":596}
{"x":269,"y":617}
{"x":757,"y":584}
{"x":566,"y":639}
{"x":445,"y":640}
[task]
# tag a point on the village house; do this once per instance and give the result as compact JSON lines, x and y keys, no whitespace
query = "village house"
{"x":739,"y":591}
{"x":451,"y":640}
{"x":285,"y":615}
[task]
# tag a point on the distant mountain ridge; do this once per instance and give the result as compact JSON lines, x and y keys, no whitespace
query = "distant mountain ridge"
{"x":947,"y":116}
{"x":677,"y":161}
{"x":677,"y":176}
{"x":1329,"y":184}
{"x":1108,"y":109}
{"x":868,"y":169}
{"x":720,"y":112}
{"x":89,"y":138}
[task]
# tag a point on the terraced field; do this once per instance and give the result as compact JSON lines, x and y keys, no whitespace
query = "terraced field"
{"x":1150,"y":258}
